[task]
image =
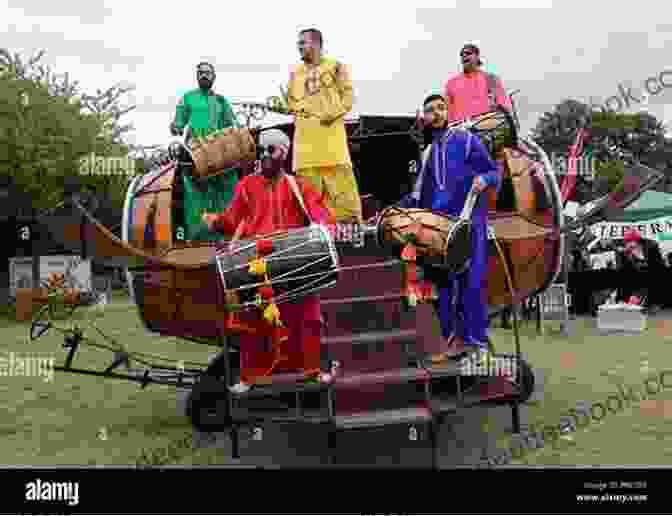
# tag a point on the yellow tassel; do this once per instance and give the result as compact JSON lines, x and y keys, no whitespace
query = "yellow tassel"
{"x":272,"y":314}
{"x":258,"y":267}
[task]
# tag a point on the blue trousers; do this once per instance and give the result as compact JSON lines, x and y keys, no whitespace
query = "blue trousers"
{"x":463,"y":298}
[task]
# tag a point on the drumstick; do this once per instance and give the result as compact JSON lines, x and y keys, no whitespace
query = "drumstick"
{"x":237,"y":234}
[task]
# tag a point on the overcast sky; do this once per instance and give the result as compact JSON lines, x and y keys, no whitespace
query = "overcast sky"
{"x":398,"y":54}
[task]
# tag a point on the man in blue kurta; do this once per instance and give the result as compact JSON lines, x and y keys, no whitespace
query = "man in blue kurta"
{"x":458,"y":161}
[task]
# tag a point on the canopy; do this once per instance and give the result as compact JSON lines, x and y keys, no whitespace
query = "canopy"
{"x":650,"y":205}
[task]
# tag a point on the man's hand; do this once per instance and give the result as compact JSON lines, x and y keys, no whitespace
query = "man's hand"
{"x":209,"y":220}
{"x":174,"y":131}
{"x":330,"y":119}
{"x":423,"y":119}
{"x":479,"y":184}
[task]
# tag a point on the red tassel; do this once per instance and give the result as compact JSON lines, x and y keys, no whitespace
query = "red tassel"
{"x":411,"y":273}
{"x":280,"y":334}
{"x":264,"y":247}
{"x":409,"y":253}
{"x":426,"y":289}
{"x":266,"y":293}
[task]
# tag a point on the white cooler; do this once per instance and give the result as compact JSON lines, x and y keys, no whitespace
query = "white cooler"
{"x":621,"y":317}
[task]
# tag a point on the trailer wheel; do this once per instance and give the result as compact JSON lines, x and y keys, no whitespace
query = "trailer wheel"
{"x":207,"y":405}
{"x":526,"y":382}
{"x":526,"y":386}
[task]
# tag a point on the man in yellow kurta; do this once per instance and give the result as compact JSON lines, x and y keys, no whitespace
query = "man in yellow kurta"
{"x":320,"y":95}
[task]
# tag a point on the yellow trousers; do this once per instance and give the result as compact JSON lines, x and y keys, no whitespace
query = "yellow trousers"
{"x":339,"y":187}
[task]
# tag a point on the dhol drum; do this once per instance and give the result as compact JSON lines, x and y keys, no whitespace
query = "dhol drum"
{"x":153,"y":216}
{"x":441,"y":241}
{"x":230,"y":147}
{"x":496,"y":129}
{"x":299,"y":262}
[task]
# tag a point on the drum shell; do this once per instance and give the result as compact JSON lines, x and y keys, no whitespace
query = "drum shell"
{"x":396,"y":223}
{"x":496,"y":129}
{"x":444,"y":243}
{"x":458,"y":250}
{"x":233,"y":147}
{"x":150,"y":211}
{"x":533,"y":261}
{"x":296,"y":254}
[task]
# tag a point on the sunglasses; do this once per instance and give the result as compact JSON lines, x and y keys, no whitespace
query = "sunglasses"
{"x":266,"y":150}
{"x":430,"y":109}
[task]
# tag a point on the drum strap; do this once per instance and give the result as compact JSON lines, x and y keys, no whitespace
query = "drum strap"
{"x":297,"y":193}
{"x":492,"y":89}
{"x":237,"y":235}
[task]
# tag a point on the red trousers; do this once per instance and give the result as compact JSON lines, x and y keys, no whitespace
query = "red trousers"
{"x":301,"y":352}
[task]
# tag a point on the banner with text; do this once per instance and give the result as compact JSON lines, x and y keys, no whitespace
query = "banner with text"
{"x":649,"y":229}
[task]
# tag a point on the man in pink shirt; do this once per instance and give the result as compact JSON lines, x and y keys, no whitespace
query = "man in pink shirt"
{"x":473,"y":92}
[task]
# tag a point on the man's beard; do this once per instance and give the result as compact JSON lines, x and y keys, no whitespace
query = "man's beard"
{"x":205,"y":84}
{"x":307,"y":57}
{"x":273,"y":169}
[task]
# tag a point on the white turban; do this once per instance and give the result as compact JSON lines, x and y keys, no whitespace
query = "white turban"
{"x":274,"y":137}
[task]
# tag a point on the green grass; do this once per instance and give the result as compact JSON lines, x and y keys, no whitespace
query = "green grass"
{"x":84,"y":420}
{"x":589,"y":367}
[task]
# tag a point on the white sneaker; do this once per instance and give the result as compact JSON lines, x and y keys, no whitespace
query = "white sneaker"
{"x":239,"y":388}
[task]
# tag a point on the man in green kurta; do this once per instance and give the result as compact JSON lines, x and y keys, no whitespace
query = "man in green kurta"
{"x":205,"y":112}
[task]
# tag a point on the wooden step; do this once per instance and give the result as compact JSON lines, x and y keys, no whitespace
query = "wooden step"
{"x":379,"y":418}
{"x":371,"y":337}
{"x":282,"y":383}
{"x":389,"y":376}
{"x":244,"y":417}
{"x":481,"y":393}
{"x":444,"y":370}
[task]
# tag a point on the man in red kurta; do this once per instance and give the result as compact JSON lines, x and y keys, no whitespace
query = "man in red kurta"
{"x":264,"y":203}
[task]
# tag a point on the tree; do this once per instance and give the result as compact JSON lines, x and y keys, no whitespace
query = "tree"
{"x":611,"y":134}
{"x":43,"y":148}
{"x":105,"y":104}
{"x":43,"y":136}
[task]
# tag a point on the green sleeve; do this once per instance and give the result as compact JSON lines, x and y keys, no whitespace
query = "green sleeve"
{"x":182,"y":113}
{"x":230,"y":118}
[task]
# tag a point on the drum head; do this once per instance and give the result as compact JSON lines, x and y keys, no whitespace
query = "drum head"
{"x":458,"y":251}
{"x":379,"y":225}
{"x":302,"y":261}
{"x":497,"y":129}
